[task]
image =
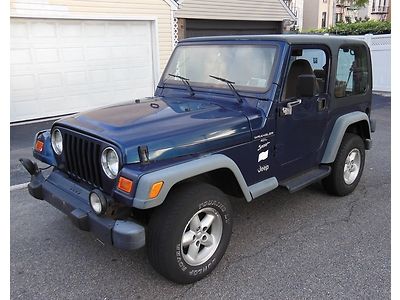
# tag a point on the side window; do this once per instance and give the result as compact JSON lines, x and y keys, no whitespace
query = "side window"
{"x":323,"y":23}
{"x":352,"y":74}
{"x":306,"y":62}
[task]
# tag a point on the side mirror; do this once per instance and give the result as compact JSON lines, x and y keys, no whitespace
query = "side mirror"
{"x":306,"y":86}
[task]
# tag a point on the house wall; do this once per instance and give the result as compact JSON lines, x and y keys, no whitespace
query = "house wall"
{"x":300,"y":11}
{"x":367,"y":11}
{"x":363,"y":11}
{"x":158,"y":10}
{"x":312,"y":14}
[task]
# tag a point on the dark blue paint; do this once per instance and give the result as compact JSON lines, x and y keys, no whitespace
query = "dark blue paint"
{"x":177,"y":127}
{"x":300,"y":137}
{"x":47,"y":155}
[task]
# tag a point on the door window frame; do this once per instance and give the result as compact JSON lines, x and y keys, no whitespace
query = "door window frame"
{"x":328,"y":54}
{"x":369,"y":84}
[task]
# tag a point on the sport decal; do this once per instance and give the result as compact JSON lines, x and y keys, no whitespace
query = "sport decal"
{"x":262,"y":146}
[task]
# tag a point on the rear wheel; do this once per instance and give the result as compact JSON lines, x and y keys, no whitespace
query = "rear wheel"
{"x":347,"y":167}
{"x":188,"y":235}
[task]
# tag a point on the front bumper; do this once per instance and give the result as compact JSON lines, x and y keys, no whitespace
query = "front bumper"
{"x":72,"y":199}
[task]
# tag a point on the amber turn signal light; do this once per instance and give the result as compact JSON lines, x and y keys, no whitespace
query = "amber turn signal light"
{"x":39,"y":146}
{"x":155,"y":189}
{"x":125,"y":184}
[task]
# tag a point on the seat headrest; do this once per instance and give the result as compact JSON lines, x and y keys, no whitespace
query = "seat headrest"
{"x":298,"y":67}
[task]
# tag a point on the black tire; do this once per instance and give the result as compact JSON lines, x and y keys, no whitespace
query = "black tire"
{"x":335,"y":183}
{"x":169,"y":221}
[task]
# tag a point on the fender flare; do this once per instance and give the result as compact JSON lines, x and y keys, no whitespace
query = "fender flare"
{"x":338,"y":131}
{"x":174,"y":174}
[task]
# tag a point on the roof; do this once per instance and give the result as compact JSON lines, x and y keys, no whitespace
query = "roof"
{"x":248,"y":10}
{"x":288,"y":38}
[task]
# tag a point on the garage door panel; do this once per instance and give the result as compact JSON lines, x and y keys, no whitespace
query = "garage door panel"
{"x":101,"y":98}
{"x":43,"y":29}
{"x":56,"y":104}
{"x":70,"y":54}
{"x":20,"y":56}
{"x":22,"y":82}
{"x":120,"y":52}
{"x":50,"y":80}
{"x":64,"y":66}
{"x":117,"y":30}
{"x":71,"y":29}
{"x":75,"y":78}
{"x":98,"y":76}
{"x":94,"y":29}
{"x":19,"y":30}
{"x":46,"y":55}
{"x":24,"y":109}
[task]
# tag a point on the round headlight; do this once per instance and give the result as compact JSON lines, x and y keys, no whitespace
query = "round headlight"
{"x":97,"y":202}
{"x":110,"y":162}
{"x":56,"y":141}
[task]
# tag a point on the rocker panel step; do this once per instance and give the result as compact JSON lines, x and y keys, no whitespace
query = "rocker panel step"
{"x":302,"y":180}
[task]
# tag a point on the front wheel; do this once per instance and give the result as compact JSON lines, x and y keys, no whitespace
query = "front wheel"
{"x":347,"y":167}
{"x":189,"y":233}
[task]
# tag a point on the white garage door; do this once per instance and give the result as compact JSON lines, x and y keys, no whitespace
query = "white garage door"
{"x":66,"y":66}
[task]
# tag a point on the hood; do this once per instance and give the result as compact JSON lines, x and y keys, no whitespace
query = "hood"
{"x":168,"y":127}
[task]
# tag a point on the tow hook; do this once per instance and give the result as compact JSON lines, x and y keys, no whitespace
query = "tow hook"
{"x":37,"y":179}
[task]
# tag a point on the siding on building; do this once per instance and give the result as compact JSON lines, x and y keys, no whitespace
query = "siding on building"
{"x":250,"y":10}
{"x":312,"y":14}
{"x":159,"y":10}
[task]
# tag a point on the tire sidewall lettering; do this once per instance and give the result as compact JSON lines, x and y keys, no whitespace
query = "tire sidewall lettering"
{"x":199,"y":270}
{"x":193,"y":270}
{"x":216,"y":205}
{"x":179,"y":258}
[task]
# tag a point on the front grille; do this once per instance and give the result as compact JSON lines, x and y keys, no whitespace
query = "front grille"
{"x":82,"y":159}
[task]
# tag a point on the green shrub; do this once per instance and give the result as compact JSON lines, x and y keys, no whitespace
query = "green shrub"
{"x":357,"y":28}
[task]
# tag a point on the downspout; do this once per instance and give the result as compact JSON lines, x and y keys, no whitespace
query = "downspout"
{"x":334,"y":13}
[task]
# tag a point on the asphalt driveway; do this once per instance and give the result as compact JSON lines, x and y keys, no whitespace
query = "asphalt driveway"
{"x":284,"y":246}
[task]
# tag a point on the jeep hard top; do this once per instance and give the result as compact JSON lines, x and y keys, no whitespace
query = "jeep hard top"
{"x":234,"y":115}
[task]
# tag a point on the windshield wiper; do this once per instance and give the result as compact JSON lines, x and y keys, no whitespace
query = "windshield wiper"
{"x":230,"y":84}
{"x":185,"y":82}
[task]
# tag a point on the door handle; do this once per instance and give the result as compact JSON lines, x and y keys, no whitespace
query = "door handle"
{"x":288,"y":110}
{"x":321,"y":104}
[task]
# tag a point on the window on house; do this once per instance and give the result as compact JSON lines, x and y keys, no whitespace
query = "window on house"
{"x":323,"y":23}
{"x":339,"y":17}
{"x":352,"y":74}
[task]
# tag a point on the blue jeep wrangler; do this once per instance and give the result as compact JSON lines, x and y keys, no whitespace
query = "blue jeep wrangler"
{"x":239,"y":116}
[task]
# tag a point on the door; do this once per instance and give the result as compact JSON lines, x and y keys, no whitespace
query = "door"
{"x":66,"y":66}
{"x":301,"y":121}
{"x":198,"y":27}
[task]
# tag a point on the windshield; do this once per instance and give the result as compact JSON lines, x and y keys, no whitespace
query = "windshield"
{"x":250,"y":67}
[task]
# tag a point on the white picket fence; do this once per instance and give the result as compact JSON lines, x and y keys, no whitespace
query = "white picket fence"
{"x":380,"y":46}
